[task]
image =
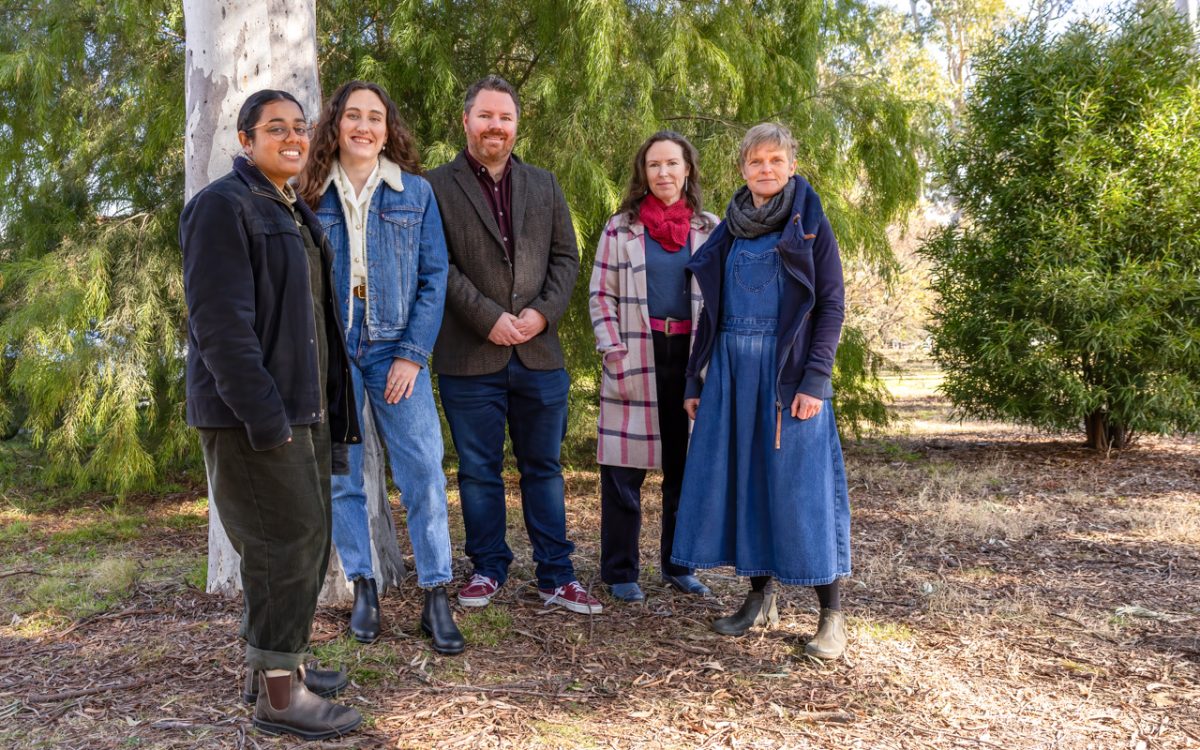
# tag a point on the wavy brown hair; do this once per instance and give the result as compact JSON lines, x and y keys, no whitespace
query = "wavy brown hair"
{"x":400,"y":146}
{"x":639,"y":186}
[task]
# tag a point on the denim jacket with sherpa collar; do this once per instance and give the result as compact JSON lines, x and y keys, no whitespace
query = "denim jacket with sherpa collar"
{"x":405,"y":257}
{"x":811,"y":307}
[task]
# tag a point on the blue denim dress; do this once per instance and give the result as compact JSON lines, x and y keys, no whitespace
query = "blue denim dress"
{"x":782,"y":512}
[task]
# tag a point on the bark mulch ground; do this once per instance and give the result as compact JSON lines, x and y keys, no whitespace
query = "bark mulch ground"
{"x":1011,"y":590}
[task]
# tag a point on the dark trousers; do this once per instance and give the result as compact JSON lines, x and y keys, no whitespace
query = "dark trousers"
{"x":275,"y":507}
{"x":533,"y":405}
{"x":621,"y":486}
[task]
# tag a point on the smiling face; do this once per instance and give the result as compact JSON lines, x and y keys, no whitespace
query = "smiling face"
{"x":362,"y":128}
{"x":666,"y":171}
{"x":767,"y":169}
{"x":282,"y":159}
{"x":491,"y":127}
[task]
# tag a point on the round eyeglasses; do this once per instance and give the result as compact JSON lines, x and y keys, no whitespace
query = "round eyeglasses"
{"x":280,"y":132}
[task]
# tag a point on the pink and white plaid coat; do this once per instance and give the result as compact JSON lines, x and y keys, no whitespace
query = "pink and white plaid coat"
{"x":628,"y":433}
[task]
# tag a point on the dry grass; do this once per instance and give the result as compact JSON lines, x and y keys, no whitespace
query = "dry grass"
{"x":1011,"y":590}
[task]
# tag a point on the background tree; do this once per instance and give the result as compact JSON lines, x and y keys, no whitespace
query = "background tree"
{"x":91,"y":300}
{"x":960,"y":28}
{"x":1068,"y":294}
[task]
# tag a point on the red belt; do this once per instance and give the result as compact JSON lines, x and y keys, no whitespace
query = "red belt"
{"x":671,"y":326}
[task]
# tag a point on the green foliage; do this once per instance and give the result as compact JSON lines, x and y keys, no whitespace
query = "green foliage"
{"x":1070,"y":290}
{"x":861,"y":398}
{"x":91,"y":298}
{"x":91,"y":136}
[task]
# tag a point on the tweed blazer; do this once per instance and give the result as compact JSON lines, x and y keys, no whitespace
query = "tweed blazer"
{"x":628,"y":431}
{"x":482,"y":284}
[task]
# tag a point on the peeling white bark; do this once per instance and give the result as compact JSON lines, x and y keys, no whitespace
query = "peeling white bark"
{"x":1187,"y":8}
{"x":234,"y":48}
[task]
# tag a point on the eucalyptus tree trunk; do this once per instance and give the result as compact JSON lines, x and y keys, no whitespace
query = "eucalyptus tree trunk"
{"x":1187,"y":9}
{"x":234,"y":48}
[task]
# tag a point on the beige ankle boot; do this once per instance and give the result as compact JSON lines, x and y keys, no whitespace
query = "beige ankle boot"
{"x":830,"y":640}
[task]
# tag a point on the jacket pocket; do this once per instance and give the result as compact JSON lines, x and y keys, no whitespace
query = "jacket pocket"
{"x":401,"y":227}
{"x":622,"y":383}
{"x":267,"y":226}
{"x":329,"y":218}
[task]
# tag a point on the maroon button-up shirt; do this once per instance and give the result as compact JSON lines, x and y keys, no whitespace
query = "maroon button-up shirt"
{"x":498,"y":194}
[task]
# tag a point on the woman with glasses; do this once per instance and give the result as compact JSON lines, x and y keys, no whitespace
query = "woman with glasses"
{"x":643,"y":313}
{"x":265,"y":387}
{"x":390,"y":281}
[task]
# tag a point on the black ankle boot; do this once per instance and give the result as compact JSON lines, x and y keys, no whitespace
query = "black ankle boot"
{"x":759,"y":609}
{"x":364,"y":617}
{"x":438,"y":623}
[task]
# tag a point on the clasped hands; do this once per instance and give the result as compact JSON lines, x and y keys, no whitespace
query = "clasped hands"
{"x":511,"y":330}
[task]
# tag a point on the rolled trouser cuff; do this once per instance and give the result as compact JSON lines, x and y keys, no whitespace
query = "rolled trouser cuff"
{"x":261,"y":659}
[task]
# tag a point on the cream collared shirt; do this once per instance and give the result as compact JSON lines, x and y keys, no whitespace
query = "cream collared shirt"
{"x":355,"y":209}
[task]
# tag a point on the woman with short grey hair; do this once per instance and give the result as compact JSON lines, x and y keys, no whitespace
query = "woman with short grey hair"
{"x":765,"y":487}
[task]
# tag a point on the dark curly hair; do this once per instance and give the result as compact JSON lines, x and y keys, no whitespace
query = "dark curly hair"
{"x":400,"y":146}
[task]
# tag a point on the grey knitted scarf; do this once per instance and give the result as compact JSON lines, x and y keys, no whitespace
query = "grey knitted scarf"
{"x":748,"y":222}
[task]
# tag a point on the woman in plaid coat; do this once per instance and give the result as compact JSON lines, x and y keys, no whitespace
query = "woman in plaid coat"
{"x":644,"y":311}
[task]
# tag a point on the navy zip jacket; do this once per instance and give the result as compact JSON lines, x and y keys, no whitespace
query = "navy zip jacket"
{"x":811,"y":307}
{"x":252,"y":350}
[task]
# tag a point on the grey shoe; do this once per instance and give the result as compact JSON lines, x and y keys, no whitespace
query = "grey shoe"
{"x":758,"y":610}
{"x":627,"y":592}
{"x":830,"y":640}
{"x":299,"y":712}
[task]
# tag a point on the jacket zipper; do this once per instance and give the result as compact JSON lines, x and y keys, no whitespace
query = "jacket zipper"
{"x":321,"y":411}
{"x":787,"y":352}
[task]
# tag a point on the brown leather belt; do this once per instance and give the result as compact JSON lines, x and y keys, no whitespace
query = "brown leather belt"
{"x":671,"y":326}
{"x":360,"y":291}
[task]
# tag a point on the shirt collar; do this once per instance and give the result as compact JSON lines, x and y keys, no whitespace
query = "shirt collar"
{"x":479,"y":169}
{"x":288,"y":192}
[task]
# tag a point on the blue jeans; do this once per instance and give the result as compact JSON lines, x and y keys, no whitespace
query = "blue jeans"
{"x":534,"y":405}
{"x":411,"y":434}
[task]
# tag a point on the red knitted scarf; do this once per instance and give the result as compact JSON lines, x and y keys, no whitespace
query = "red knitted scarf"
{"x":667,"y":224}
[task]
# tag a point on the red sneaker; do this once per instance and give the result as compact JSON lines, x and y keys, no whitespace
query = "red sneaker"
{"x":478,"y":592}
{"x":574,"y":597}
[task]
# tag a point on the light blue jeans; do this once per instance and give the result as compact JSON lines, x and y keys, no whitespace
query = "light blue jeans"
{"x":412,"y":438}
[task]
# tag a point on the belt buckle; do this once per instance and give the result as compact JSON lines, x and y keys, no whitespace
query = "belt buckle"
{"x":667,"y":322}
{"x":359,"y":291}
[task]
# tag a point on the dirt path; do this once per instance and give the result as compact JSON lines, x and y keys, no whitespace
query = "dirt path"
{"x":1010,"y":591}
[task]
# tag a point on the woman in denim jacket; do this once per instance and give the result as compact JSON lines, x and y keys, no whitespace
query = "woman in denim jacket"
{"x":389,"y":275}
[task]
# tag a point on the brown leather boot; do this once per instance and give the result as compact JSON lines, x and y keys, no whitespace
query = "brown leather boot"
{"x":285,"y":706}
{"x":830,"y":640}
{"x":326,"y":683}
